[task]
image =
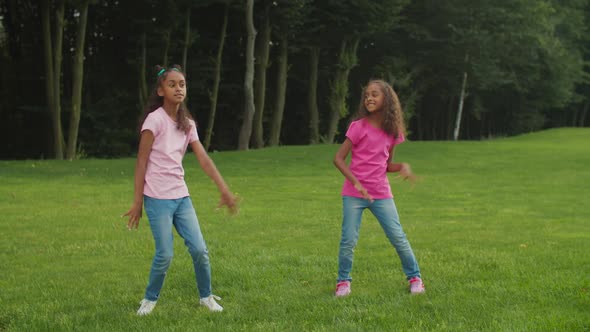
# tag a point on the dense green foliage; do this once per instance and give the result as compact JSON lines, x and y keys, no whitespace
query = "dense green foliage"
{"x":525,"y":63}
{"x":500,"y":229}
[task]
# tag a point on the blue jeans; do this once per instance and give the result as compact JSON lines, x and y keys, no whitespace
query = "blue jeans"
{"x":386,"y":213}
{"x":162,"y":214}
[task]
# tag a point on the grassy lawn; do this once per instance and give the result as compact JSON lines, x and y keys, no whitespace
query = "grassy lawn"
{"x":501,"y":230}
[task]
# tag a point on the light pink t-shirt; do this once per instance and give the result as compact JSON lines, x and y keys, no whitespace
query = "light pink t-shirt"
{"x":164,"y":177}
{"x":370,"y":153}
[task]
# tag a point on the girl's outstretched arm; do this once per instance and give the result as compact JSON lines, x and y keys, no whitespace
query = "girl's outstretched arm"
{"x":227,"y":198}
{"x":145,"y":148}
{"x":340,"y":163}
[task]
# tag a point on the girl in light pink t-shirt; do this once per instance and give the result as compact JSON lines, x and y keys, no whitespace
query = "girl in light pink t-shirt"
{"x":166,"y":132}
{"x":371,"y":139}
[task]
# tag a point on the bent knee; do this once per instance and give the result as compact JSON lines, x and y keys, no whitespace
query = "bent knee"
{"x":198,"y":252}
{"x":347,"y":245}
{"x":163,"y":258}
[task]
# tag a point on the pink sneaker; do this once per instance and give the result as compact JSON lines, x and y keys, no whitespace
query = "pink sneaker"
{"x":416,"y":286}
{"x":342,"y":288}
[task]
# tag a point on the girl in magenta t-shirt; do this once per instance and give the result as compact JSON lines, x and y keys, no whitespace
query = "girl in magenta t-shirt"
{"x":159,"y":184}
{"x":372,"y":139}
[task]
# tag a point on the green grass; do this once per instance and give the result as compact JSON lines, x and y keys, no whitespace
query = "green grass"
{"x":501,"y":230}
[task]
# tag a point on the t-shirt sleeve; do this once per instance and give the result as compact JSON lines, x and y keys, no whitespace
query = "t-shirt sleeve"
{"x":152,"y":124}
{"x":354,"y":132}
{"x":193,"y":135}
{"x":400,"y":139}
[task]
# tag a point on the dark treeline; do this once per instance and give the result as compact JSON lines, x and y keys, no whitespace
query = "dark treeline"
{"x":75,"y":74}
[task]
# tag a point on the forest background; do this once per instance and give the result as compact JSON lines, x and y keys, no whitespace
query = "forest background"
{"x":75,"y":74}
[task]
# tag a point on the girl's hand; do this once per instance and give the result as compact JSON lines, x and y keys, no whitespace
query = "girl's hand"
{"x":134,"y":215}
{"x":232,"y":202}
{"x":364,"y":192}
{"x":406,"y":173}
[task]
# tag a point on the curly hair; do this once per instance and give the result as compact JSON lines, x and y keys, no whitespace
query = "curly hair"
{"x":154,"y":101}
{"x":393,"y":119}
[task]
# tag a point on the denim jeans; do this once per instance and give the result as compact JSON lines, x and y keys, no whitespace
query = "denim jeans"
{"x":386,"y":213}
{"x":163,"y":214}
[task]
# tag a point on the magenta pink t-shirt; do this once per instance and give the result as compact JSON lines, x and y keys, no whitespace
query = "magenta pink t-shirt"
{"x":164,"y":177}
{"x":371,"y":147}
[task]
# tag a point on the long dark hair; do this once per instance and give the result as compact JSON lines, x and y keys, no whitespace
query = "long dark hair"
{"x":393,"y":119}
{"x":154,"y":101}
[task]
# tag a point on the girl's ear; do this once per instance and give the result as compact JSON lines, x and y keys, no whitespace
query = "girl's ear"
{"x":160,"y":92}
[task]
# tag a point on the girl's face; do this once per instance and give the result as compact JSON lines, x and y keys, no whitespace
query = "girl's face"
{"x":173,"y":88}
{"x":373,"y":98}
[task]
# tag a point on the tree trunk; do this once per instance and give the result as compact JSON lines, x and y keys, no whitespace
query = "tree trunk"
{"x":166,"y":48}
{"x":262,"y":50}
{"x":246,"y":130}
{"x":77,"y":80}
{"x":57,"y":60}
{"x":187,"y":42}
{"x":143,"y":88}
{"x":215,"y":92}
{"x":461,"y":102}
{"x":312,"y":96}
{"x":582,"y":119}
{"x":187,"y":38}
{"x":347,"y":59}
{"x":50,"y":80}
{"x":279,"y":108}
{"x":460,"y":109}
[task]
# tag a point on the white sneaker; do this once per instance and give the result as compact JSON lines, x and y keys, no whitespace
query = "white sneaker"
{"x":210,"y":303}
{"x":417,"y":286}
{"x":146,"y":307}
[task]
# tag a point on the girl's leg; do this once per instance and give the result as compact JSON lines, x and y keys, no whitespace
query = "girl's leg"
{"x":386,"y":213}
{"x":187,"y":225}
{"x":352,"y":211}
{"x":159,"y":213}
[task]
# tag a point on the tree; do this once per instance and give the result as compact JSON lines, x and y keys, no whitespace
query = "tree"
{"x":290,"y":23}
{"x":571,"y":28}
{"x":142,"y":65}
{"x":246,"y":129}
{"x":262,"y":63}
{"x":312,"y":95}
{"x":280,"y":95}
{"x":53,"y":70}
{"x":77,"y":80}
{"x":308,"y":38}
{"x":348,"y":22}
{"x":187,"y":36}
{"x":156,"y":21}
{"x":346,"y":60}
{"x":461,"y":102}
{"x":217,"y":79}
{"x":514,"y":65}
{"x":507,"y":66}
